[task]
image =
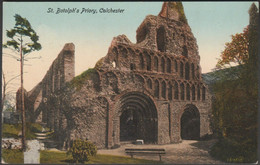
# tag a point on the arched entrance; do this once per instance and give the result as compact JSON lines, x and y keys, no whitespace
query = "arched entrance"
{"x":138,"y":118}
{"x":131,"y":125}
{"x":190,"y":123}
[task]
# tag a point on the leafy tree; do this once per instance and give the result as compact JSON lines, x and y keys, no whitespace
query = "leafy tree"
{"x":22,"y":40}
{"x":235,"y":51}
{"x":235,"y":99}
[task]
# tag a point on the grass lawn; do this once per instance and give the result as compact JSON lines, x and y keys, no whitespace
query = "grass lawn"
{"x":12,"y":156}
{"x":12,"y":130}
{"x":55,"y":157}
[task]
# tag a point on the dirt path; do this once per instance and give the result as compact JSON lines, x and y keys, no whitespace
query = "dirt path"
{"x":187,"y":152}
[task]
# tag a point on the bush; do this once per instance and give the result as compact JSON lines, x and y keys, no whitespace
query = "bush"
{"x":82,"y":150}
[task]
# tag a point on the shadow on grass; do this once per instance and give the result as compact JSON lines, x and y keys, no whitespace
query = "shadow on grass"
{"x":204,"y":145}
{"x":68,"y":161}
{"x":9,"y":135}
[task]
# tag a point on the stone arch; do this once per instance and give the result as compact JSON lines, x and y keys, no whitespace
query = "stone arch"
{"x":139,"y":79}
{"x":190,"y":123}
{"x":141,"y":61}
{"x":176,"y":66}
{"x":163,"y":91}
{"x":193,"y":92}
{"x":123,"y":52}
{"x":192,"y":71}
{"x":142,"y":32}
{"x":149,"y":83}
{"x":203,"y":93}
{"x":148,"y":61}
{"x":181,"y":69}
{"x":156,"y":63}
{"x":176,"y":90}
{"x":156,"y":89}
{"x":182,"y":91}
{"x":162,"y":65}
{"x":187,"y":91}
{"x":187,"y":71}
{"x":131,"y":52}
{"x":161,"y":39}
{"x":135,"y":117}
{"x":198,"y":72}
{"x":168,"y":65}
{"x":110,"y":80}
{"x":132,"y":66}
{"x":183,"y":37}
{"x":115,"y":63}
{"x":169,"y":91}
{"x":198,"y":92}
{"x":115,"y":51}
{"x":185,"y":51}
{"x":95,"y":77}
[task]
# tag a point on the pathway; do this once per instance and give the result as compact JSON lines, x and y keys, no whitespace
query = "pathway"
{"x":32,"y":154}
{"x":187,"y":152}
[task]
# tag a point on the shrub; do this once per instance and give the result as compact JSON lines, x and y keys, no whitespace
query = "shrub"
{"x":82,"y":150}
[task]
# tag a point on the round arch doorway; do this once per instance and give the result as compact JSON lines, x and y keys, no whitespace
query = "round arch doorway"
{"x":138,"y":118}
{"x":190,"y":123}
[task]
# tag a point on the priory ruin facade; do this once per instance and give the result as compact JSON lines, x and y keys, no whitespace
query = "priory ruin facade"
{"x":150,"y":90}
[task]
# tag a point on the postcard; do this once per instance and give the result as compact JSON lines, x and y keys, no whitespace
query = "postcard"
{"x":129,"y":82}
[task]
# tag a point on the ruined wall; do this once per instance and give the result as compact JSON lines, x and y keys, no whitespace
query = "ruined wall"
{"x":43,"y":101}
{"x":157,"y":78}
{"x":160,"y":69}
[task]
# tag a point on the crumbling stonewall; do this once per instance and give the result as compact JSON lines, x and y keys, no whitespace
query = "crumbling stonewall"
{"x":151,"y":90}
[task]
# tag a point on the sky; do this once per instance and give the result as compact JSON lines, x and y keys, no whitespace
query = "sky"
{"x":212,"y":24}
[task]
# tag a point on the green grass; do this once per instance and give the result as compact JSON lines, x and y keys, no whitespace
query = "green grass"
{"x":12,"y":130}
{"x":79,"y":80}
{"x":55,"y":157}
{"x":12,"y":156}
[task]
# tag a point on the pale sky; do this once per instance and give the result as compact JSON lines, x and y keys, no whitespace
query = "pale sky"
{"x":212,"y":24}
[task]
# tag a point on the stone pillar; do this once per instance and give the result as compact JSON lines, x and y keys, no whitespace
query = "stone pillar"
{"x":176,"y":138}
{"x":204,"y":124}
{"x":152,"y":63}
{"x":110,"y":127}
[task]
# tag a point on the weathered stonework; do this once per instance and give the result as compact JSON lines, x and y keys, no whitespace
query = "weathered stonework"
{"x":151,"y":90}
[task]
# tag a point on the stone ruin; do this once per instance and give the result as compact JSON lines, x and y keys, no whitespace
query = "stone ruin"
{"x":150,"y":90}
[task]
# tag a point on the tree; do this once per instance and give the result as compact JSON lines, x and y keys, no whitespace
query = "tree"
{"x":236,"y":51}
{"x":23,"y":40}
{"x":235,"y":103}
{"x":4,"y":89}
